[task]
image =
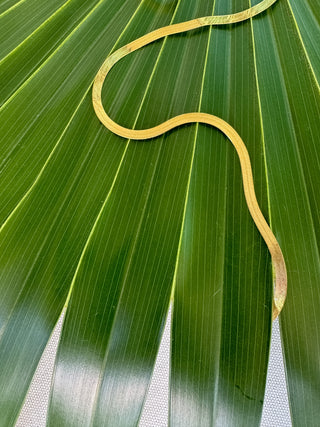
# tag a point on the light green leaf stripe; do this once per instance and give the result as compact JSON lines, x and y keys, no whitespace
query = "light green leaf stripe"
{"x":72,"y":201}
{"x":307,"y":19}
{"x":114,"y":229}
{"x":26,"y":58}
{"x":20,"y":21}
{"x":290,"y":111}
{"x":66,"y":75}
{"x":126,"y":291}
{"x":216,"y":365}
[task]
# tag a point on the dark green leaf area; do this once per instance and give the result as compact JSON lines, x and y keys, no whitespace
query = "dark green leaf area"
{"x":42,"y":110}
{"x":114,"y":229}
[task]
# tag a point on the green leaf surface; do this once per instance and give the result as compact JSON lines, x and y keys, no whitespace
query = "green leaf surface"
{"x":147,"y":259}
{"x":113,"y":230}
{"x":290,"y":112}
{"x":306,"y":18}
{"x":5,"y":5}
{"x":223,"y":286}
{"x":66,"y":77}
{"x":20,"y":21}
{"x":20,"y":63}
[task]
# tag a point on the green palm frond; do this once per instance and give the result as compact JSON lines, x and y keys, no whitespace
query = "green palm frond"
{"x":114,"y":230}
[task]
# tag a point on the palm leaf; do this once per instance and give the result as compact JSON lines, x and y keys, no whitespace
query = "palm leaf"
{"x":114,"y":230}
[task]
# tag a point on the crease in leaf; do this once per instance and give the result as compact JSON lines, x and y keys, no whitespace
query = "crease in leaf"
{"x":283,"y":140}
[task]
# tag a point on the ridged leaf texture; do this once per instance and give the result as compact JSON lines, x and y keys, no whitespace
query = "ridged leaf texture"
{"x":113,"y":231}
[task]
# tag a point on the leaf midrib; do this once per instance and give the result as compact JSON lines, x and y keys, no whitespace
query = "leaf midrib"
{"x":68,"y":123}
{"x":303,"y":46}
{"x":34,"y":184}
{"x":130,"y":256}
